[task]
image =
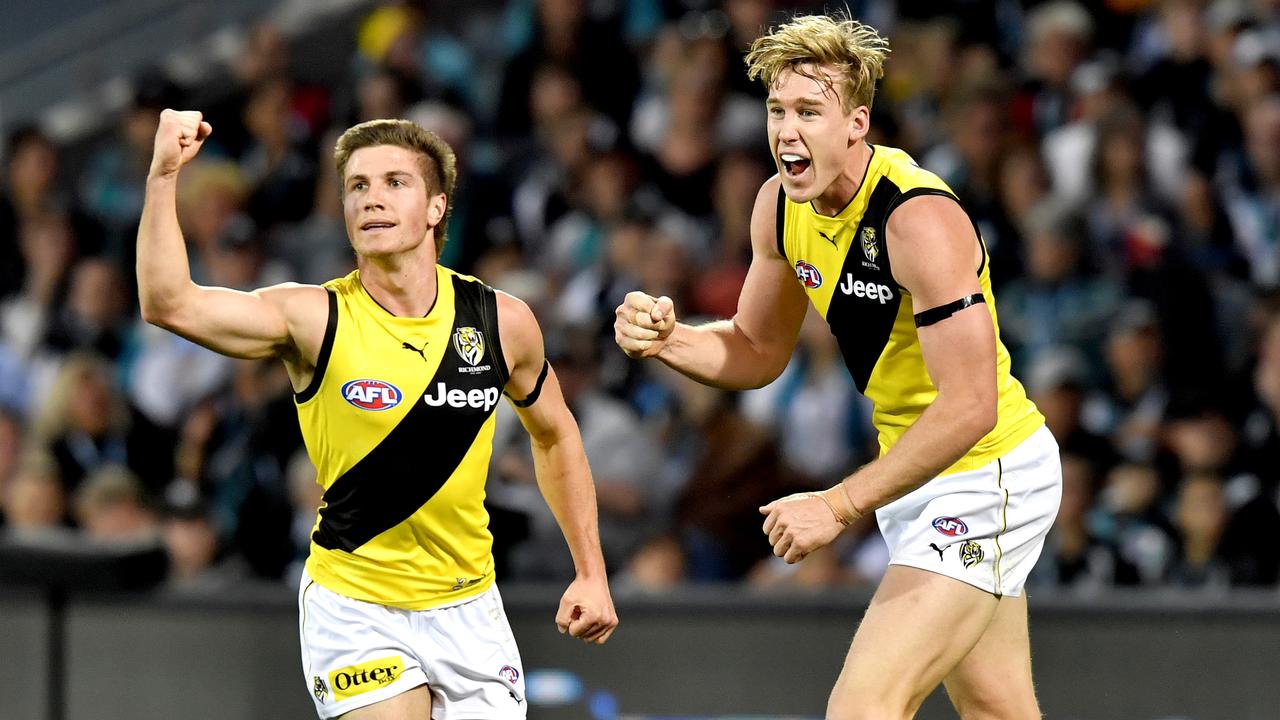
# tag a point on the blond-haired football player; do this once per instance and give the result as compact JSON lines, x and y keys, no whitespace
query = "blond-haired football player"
{"x":968,"y":479}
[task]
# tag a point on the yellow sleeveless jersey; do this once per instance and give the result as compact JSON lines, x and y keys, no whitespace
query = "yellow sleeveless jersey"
{"x":844,"y":267}
{"x":399,"y":422}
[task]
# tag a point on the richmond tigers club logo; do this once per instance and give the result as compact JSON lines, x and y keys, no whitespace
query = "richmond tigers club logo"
{"x":469,"y":344}
{"x":869,"y":246}
{"x":320,"y":688}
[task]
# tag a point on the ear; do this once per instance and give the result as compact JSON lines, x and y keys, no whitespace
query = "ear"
{"x":859,"y":124}
{"x":436,"y":206}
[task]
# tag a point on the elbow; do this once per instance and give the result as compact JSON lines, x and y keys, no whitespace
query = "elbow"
{"x":983,"y":417}
{"x":150,"y":314}
{"x":772,"y":371}
{"x":154,"y":313}
{"x":162,"y":308}
{"x":161,"y":314}
{"x":971,"y":414}
{"x":987,"y":419}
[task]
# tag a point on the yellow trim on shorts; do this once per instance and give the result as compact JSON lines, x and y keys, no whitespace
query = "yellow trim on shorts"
{"x":1004,"y":525}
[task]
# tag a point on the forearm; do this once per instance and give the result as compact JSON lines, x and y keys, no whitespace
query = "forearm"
{"x":943,"y":434}
{"x":565,"y":481}
{"x":164,"y":273}
{"x":721,"y":355}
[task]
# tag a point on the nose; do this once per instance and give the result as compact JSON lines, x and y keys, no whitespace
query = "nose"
{"x":373,"y":199}
{"x":787,"y":131}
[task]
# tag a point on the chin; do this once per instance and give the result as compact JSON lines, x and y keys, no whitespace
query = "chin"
{"x":798,"y":194}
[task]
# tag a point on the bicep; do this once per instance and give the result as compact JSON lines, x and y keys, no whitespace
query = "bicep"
{"x":960,"y":352}
{"x":547,"y":419}
{"x":256,"y":324}
{"x":772,"y":305}
{"x":931,"y":245}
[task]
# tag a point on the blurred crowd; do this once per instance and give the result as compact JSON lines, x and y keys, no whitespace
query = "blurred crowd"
{"x":1121,"y":157}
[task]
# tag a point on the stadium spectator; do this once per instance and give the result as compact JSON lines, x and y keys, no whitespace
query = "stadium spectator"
{"x":87,"y":424}
{"x":34,"y":501}
{"x":1074,"y":557}
{"x":110,"y":506}
{"x":1058,"y":302}
{"x":590,"y":134}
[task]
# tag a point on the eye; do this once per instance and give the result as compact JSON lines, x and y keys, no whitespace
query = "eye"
{"x":775,"y":112}
{"x":808,"y":113}
{"x":397,"y":182}
{"x":361,"y":185}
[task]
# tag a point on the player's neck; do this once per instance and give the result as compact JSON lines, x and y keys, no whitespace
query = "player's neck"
{"x":404,"y":285}
{"x":840,"y":193}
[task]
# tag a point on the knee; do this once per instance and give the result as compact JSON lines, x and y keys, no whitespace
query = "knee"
{"x":873,"y":710}
{"x":995,"y":706}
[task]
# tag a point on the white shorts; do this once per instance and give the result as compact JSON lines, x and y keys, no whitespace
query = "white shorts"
{"x":985,"y":527}
{"x":356,"y":653}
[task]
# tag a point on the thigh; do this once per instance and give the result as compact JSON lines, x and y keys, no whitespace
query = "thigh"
{"x":354,"y":654}
{"x":412,"y":704}
{"x":993,"y":682}
{"x":918,"y":627}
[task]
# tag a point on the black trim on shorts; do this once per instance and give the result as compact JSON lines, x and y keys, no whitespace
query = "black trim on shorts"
{"x":326,"y":349}
{"x":924,"y":318}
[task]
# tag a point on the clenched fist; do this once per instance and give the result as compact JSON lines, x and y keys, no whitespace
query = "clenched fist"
{"x":178,"y":139}
{"x":643,"y":324}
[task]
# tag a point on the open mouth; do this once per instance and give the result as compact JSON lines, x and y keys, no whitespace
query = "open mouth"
{"x":377,"y":225}
{"x":794,"y":165}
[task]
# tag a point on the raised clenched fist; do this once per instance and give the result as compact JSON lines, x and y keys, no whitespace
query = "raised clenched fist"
{"x":643,"y":323}
{"x":178,"y":138}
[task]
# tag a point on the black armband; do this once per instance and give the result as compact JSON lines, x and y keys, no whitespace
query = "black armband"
{"x":942,"y":312}
{"x":537,"y":388}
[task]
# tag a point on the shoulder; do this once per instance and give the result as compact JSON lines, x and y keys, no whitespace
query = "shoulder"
{"x":310,"y":314}
{"x":517,"y":323}
{"x":767,"y":198}
{"x":344,"y":285}
{"x":766,"y":215}
{"x":296,"y":297}
{"x":910,"y":177}
{"x":928,"y":215}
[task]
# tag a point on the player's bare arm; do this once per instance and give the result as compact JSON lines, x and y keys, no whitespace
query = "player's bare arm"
{"x":560,"y":463}
{"x":748,"y":351}
{"x":286,"y":321}
{"x":935,"y":256}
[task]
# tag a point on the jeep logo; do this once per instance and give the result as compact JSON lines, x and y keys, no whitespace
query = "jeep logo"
{"x":476,"y":398}
{"x":871,"y":291}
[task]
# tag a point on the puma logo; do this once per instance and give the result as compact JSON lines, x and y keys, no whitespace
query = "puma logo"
{"x":827,"y":237}
{"x":421,"y":351}
{"x":939,"y":550}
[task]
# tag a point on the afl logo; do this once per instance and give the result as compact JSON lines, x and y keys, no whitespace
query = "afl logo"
{"x":950,"y":526}
{"x":509,"y":674}
{"x":808,"y":275}
{"x":371,"y":394}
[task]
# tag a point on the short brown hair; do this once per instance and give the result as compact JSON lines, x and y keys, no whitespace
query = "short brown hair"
{"x":857,"y":52}
{"x":439,"y":164}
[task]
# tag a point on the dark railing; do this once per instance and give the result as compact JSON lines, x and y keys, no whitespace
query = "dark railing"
{"x":693,"y":652}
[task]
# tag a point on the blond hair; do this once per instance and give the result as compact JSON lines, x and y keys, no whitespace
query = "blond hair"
{"x":437,"y":160}
{"x":856,"y":51}
{"x":52,"y":418}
